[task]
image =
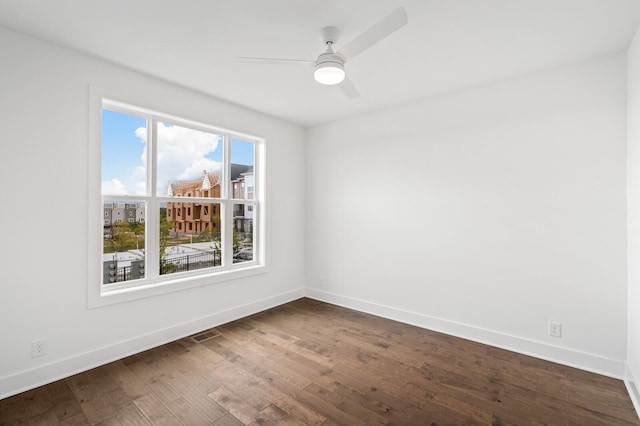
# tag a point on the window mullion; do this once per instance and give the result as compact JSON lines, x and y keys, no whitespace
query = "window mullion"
{"x":226,"y":156}
{"x":227,"y":207}
{"x":152,"y":253}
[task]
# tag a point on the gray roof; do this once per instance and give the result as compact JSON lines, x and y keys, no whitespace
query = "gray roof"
{"x":239,"y":169}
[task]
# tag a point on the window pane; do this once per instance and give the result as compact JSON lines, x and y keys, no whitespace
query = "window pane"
{"x":190,"y":236}
{"x":242,"y":163}
{"x":243,"y":232}
{"x":124,"y":241}
{"x":124,"y":147}
{"x":189,"y":162}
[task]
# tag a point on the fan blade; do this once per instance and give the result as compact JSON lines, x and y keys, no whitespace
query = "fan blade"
{"x":377,"y":32}
{"x":277,"y":61}
{"x":349,"y":89}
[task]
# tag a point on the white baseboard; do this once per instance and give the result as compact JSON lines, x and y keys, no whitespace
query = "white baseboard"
{"x":32,"y":378}
{"x":584,"y":361}
{"x":631,"y":382}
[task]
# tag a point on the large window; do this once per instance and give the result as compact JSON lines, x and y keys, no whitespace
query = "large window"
{"x":181,"y":203}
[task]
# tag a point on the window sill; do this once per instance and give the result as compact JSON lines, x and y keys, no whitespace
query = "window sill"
{"x":105,"y":296}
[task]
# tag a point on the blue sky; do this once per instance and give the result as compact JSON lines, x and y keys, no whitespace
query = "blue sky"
{"x":121,"y":149}
{"x":241,"y":152}
{"x":183,"y":153}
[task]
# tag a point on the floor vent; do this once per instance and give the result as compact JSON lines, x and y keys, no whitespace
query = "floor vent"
{"x":205,"y":335}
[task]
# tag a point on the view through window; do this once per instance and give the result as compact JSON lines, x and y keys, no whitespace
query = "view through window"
{"x":178,"y":198}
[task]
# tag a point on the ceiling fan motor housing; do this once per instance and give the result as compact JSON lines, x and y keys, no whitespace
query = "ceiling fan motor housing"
{"x":329,"y":69}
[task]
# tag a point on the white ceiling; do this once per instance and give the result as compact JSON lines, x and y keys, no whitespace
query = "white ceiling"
{"x":447,"y":45}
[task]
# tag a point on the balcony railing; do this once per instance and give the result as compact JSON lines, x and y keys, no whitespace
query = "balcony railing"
{"x":189,"y":262}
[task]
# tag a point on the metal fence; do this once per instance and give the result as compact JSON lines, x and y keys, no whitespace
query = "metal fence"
{"x":123,"y":274}
{"x":189,"y":262}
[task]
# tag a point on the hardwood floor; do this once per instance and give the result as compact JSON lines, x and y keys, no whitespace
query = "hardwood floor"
{"x":311,"y":363}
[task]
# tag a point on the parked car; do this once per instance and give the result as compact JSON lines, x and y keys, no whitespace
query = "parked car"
{"x":243,"y":255}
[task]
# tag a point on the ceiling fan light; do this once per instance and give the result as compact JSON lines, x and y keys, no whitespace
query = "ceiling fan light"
{"x":329,"y":73}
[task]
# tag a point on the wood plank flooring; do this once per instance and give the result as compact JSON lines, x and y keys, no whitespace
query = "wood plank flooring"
{"x":311,"y":363}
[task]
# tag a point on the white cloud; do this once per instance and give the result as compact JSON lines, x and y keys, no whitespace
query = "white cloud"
{"x":114,"y":187}
{"x":182,"y":153}
{"x":140,"y":188}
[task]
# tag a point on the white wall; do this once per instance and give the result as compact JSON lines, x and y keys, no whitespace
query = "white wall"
{"x":633,"y":218}
{"x":44,"y":98}
{"x":484,"y":213}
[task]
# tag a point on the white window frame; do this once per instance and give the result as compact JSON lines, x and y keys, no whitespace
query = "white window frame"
{"x":155,"y":284}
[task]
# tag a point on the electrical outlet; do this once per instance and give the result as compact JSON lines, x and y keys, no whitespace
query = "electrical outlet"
{"x":555,"y":329}
{"x":38,"y":348}
{"x":321,"y":282}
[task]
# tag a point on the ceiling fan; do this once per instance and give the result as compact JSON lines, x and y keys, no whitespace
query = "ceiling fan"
{"x":329,"y":66}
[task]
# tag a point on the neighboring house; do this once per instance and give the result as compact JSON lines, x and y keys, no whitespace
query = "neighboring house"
{"x":194,"y":218}
{"x":120,"y":212}
{"x":242,"y":186}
